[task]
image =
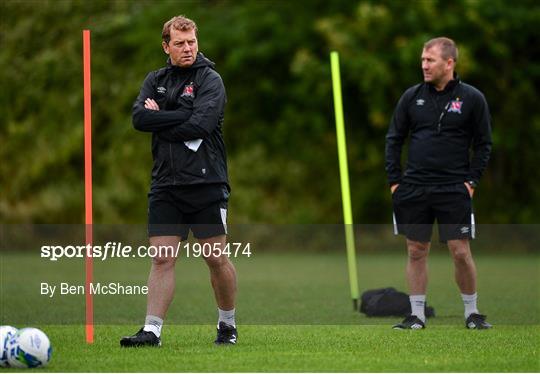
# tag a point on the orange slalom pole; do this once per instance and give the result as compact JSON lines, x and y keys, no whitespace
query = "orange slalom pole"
{"x":88,"y":184}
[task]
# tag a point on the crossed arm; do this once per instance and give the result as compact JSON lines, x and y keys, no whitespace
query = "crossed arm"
{"x":181,"y":124}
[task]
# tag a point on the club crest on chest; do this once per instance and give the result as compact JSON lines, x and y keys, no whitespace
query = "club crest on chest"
{"x":455,"y":106}
{"x":189,"y":90}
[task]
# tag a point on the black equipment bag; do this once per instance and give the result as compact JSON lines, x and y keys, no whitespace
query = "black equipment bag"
{"x":384,"y":302}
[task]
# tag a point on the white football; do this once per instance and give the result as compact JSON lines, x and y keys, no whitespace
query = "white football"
{"x":6,"y":332}
{"x":28,"y":348}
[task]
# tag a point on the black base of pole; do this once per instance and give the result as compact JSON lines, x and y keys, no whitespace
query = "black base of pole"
{"x":355,"y":304}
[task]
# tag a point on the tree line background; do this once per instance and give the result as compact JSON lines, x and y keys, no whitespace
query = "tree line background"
{"x":279,"y":126}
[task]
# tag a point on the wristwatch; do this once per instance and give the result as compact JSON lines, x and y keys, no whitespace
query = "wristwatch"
{"x":473,"y":184}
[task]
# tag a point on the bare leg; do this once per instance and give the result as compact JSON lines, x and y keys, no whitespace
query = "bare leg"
{"x":417,"y":266}
{"x":161,"y":281}
{"x":222,"y":274}
{"x":465,"y":268}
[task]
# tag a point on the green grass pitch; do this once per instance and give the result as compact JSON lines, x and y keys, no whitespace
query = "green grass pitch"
{"x":294,"y":314}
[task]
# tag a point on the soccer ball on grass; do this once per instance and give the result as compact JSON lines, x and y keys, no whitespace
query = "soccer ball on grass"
{"x":6,"y":332}
{"x":28,"y":348}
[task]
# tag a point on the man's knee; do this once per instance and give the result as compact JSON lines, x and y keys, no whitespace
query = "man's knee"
{"x":417,"y":250}
{"x":460,"y":250}
{"x":216,"y":262}
{"x":163,"y":262}
{"x":164,"y":255}
{"x":216,"y":257}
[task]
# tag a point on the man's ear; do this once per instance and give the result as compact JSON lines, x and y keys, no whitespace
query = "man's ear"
{"x":165,"y":47}
{"x":450,"y":64}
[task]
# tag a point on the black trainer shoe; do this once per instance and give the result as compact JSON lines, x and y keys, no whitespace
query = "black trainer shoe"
{"x":226,"y":334}
{"x":477,"y":321}
{"x":410,"y":323}
{"x":140,"y":339}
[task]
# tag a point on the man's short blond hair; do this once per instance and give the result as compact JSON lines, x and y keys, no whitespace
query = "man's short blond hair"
{"x":180,"y":23}
{"x":447,"y":45}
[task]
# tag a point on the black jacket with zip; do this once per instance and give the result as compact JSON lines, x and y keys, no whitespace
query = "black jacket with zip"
{"x":192,"y":102}
{"x":439,"y":152}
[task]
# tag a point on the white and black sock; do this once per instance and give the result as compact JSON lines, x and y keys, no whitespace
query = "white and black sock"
{"x":418,"y":304}
{"x":153,"y":324}
{"x":227,"y":316}
{"x":469,"y":302}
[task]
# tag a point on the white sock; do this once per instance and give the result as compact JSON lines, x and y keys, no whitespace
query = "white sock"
{"x":469,"y":301}
{"x":227,"y":316}
{"x":153,"y":324}
{"x":418,"y":304}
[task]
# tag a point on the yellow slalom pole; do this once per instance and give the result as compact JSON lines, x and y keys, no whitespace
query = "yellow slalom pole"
{"x":344,"y":174}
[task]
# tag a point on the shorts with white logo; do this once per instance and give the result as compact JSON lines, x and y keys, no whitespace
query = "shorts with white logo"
{"x":173,"y":211}
{"x":417,"y":206}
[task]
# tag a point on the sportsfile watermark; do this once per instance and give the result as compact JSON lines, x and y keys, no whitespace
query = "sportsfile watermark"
{"x":119,"y":250}
{"x":288,"y":274}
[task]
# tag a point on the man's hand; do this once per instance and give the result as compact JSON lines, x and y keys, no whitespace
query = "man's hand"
{"x":470,"y":189}
{"x":393,"y":187}
{"x":151,"y":104}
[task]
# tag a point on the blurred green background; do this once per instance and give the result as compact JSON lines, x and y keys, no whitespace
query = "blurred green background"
{"x":279,"y":127}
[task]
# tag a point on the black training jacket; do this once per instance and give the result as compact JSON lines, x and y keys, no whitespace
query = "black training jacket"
{"x":439,"y":153}
{"x":191,"y":102}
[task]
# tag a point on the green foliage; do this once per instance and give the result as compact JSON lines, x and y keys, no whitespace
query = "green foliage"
{"x":280,"y":132}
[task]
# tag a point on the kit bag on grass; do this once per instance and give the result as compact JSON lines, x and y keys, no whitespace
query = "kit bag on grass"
{"x":384,"y":302}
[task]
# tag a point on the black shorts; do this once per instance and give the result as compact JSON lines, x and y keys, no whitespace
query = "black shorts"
{"x":173,"y":211}
{"x":417,"y":206}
